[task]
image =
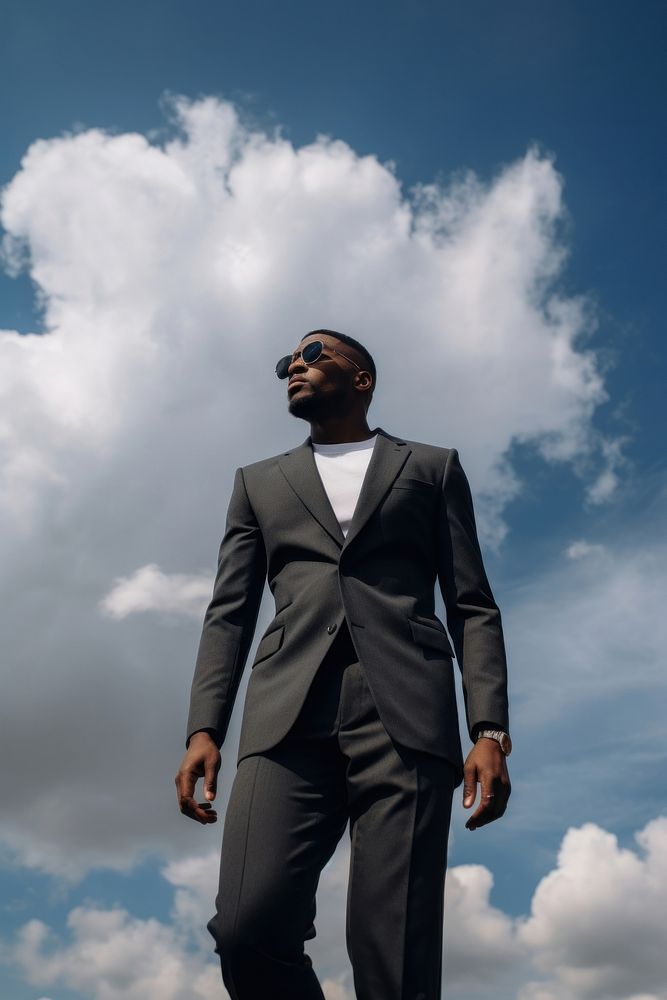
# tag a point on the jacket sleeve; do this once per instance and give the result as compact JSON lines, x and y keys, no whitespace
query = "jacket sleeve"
{"x":230,"y":619}
{"x":473,"y":617}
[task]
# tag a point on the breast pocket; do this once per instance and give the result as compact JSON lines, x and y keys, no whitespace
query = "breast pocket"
{"x":269,"y":645}
{"x":410,"y":483}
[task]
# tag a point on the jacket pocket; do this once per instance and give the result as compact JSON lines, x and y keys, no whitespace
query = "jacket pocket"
{"x":408,"y":483}
{"x":431,"y":635}
{"x":270,"y":644}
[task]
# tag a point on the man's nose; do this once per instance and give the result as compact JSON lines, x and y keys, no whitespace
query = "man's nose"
{"x":298,"y":360}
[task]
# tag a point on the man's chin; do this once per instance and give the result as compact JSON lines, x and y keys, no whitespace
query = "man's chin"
{"x":306,"y":408}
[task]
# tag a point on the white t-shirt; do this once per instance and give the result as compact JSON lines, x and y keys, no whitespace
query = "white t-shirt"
{"x":342,"y":468}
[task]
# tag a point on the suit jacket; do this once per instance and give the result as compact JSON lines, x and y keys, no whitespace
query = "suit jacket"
{"x":413,"y":524}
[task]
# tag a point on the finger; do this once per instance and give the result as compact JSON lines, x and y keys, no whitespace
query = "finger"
{"x":201,"y":812}
{"x":486,"y":810}
{"x":504,"y":790}
{"x":469,"y":786}
{"x":186,"y":780}
{"x":211,"y":767}
{"x":206,"y":812}
{"x":202,"y":815}
{"x":185,"y":785}
{"x":484,"y":814}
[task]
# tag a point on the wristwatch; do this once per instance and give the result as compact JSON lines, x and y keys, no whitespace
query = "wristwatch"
{"x":501,"y":736}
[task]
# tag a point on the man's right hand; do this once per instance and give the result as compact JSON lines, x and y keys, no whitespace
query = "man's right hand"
{"x":202,"y":760}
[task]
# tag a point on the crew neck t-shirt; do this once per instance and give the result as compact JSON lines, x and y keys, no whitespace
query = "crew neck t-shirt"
{"x":342,"y":468}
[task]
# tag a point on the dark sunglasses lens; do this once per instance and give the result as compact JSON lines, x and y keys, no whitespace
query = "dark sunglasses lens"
{"x":312,"y":351}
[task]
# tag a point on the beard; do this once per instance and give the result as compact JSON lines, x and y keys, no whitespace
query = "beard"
{"x":315,"y":406}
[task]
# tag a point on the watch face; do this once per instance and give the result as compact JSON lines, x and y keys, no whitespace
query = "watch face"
{"x":506,"y":744}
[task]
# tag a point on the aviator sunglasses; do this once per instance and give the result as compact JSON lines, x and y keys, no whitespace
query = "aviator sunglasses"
{"x":310,"y":353}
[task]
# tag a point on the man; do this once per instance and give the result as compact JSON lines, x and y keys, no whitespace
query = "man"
{"x":350,"y":713}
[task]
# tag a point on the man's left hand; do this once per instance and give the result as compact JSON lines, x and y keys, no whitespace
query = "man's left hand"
{"x":487,"y":765}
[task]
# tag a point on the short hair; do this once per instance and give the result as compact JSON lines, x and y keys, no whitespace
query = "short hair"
{"x":365,"y":353}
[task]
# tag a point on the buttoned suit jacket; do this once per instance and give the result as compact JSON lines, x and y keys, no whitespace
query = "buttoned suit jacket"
{"x":413,"y":525}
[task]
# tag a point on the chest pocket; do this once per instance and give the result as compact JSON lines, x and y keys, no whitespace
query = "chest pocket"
{"x":409,"y":483}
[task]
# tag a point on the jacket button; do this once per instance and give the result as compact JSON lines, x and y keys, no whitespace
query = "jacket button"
{"x":331,"y":629}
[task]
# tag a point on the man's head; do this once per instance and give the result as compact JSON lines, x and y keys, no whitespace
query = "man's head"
{"x":340,"y":381}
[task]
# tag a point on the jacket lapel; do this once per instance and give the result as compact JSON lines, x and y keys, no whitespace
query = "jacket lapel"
{"x":300,"y":470}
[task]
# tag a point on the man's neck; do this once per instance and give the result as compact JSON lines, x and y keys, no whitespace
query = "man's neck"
{"x":340,"y":432}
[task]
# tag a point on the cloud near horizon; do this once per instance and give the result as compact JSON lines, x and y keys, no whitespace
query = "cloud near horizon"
{"x":594,"y":932}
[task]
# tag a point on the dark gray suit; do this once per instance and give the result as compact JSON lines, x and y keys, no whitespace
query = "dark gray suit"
{"x":413,"y":524}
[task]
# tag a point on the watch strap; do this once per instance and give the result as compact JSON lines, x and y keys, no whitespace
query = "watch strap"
{"x":501,"y":736}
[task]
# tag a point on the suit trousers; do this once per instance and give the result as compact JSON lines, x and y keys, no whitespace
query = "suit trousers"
{"x":288,"y":809}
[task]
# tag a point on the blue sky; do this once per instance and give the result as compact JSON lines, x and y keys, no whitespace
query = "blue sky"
{"x":538,"y":131}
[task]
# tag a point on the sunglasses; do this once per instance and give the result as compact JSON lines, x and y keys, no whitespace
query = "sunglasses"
{"x":309,"y":355}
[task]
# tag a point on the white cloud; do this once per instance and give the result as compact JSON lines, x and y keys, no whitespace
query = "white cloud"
{"x":171,"y":276}
{"x":149,"y":589}
{"x":597,"y":920}
{"x":479,"y":940}
{"x":581,"y":549}
{"x":594,"y":932}
{"x":606,"y":485}
{"x":194,"y":878}
{"x":165,"y":269}
{"x":114,"y":956}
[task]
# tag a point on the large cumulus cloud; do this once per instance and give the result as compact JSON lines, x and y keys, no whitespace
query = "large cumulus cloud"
{"x":171,"y":274}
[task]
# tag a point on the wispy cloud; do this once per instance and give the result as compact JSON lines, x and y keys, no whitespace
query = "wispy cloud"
{"x":149,"y":589}
{"x":581,"y":549}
